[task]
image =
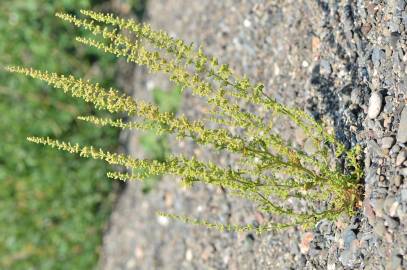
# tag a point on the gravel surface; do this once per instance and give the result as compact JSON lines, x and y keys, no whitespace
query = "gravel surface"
{"x":342,"y":61}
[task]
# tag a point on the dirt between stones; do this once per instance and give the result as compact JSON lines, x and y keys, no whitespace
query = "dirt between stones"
{"x":344,"y":62}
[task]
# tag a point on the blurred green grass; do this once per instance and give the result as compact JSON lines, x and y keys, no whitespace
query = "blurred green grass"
{"x":53,"y":206}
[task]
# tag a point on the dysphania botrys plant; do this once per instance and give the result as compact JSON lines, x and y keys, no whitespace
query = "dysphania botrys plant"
{"x":270,"y":171}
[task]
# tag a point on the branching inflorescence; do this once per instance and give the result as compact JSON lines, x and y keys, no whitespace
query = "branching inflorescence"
{"x":271,"y":170}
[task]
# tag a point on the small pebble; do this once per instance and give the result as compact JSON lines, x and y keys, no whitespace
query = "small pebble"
{"x":387,"y":121}
{"x":347,"y":258}
{"x":305,"y":64}
{"x":395,"y":149}
{"x":391,"y":223}
{"x":375,"y":105}
{"x":305,"y":242}
{"x":368,"y":211}
{"x":403,"y":172}
{"x":402,"y":215}
{"x":402,"y":130}
{"x":388,"y":237}
{"x":371,"y":176}
{"x":387,"y":142}
{"x":388,"y":107}
{"x":378,"y":205}
{"x":401,"y":157}
{"x":331,"y":266}
{"x":377,"y":56}
{"x":163,"y":221}
{"x":249,"y":241}
{"x":379,"y":228}
{"x":188,"y":255}
{"x":325,"y":67}
{"x":393,"y":209}
{"x":374,"y":148}
{"x":247,"y":23}
{"x":356,"y":96}
{"x":130,"y":263}
{"x":348,"y":236}
{"x":403,"y":194}
{"x":394,"y":263}
{"x":388,"y":202}
{"x":397,"y":180}
{"x":366,"y":28}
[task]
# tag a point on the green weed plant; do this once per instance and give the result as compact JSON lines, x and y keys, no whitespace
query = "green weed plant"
{"x":270,"y":172}
{"x":156,"y":146}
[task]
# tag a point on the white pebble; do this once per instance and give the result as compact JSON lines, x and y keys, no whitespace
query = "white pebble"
{"x":375,"y":105}
{"x":163,"y":221}
{"x":189,"y":255}
{"x":305,"y":64}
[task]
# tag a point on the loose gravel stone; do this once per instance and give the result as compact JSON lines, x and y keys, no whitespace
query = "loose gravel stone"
{"x":393,"y":209}
{"x":402,"y":129}
{"x":348,"y":258}
{"x":395,"y":149}
{"x":403,"y":194}
{"x":389,"y":104}
{"x":356,"y":96}
{"x":389,"y":201}
{"x":377,"y":56}
{"x":374,"y":149}
{"x":371,"y":176}
{"x":397,"y":180}
{"x":326,"y":68}
{"x":401,"y":157}
{"x":348,"y":236}
{"x":394,"y":263}
{"x":305,"y":242}
{"x":387,"y":142}
{"x":403,"y":172}
{"x":391,"y":222}
{"x":375,"y":105}
{"x":378,"y":206}
{"x":379,"y":227}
